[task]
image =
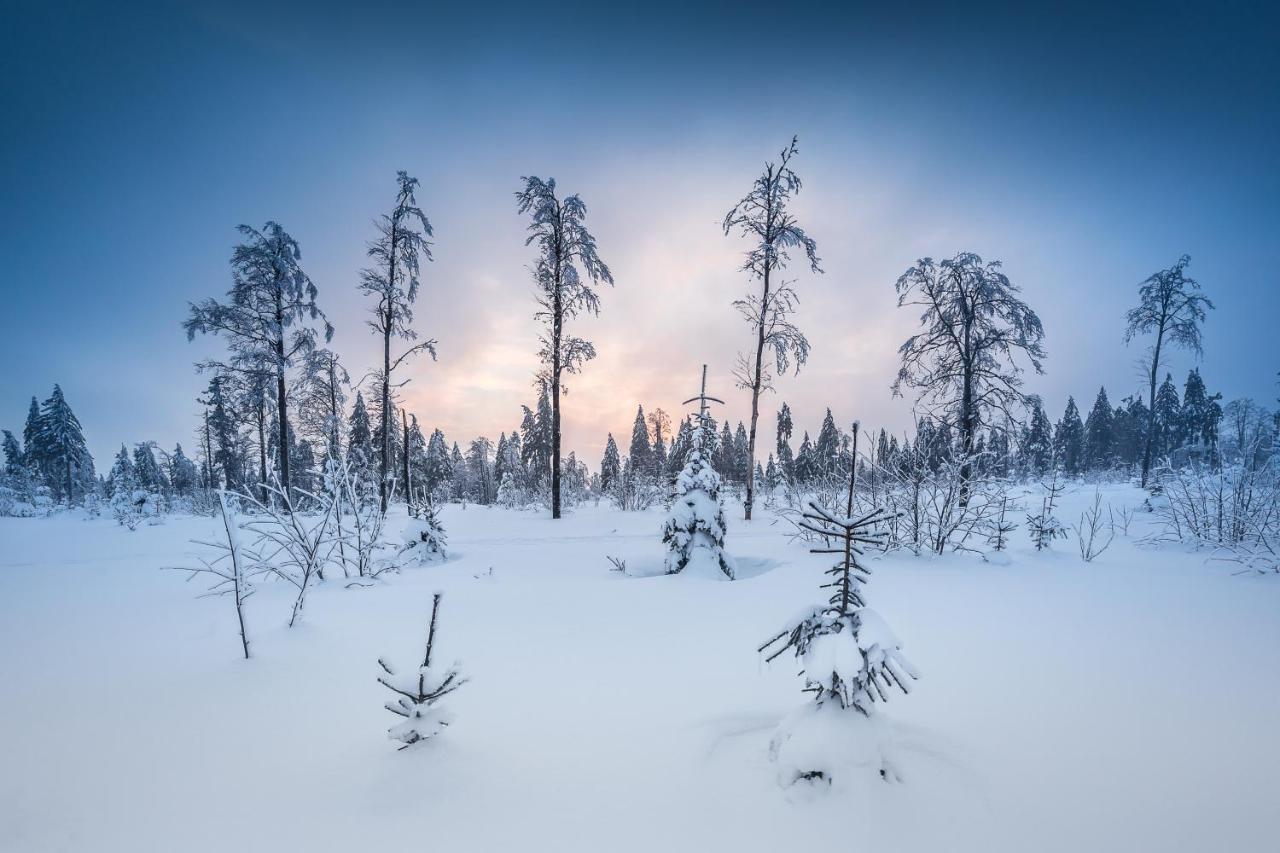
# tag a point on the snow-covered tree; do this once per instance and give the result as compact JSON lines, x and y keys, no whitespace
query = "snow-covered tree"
{"x":849,"y":658}
{"x":1171,"y":307}
{"x":66,"y":460}
{"x":694,"y":530}
{"x":786,"y":461}
{"x":424,"y":539}
{"x":1036,"y":447}
{"x":610,"y":465}
{"x":640,"y":454}
{"x":267,"y":316}
{"x":763,"y":217}
{"x":1099,"y":434}
{"x":565,"y":273}
{"x":660,"y":425}
{"x":965,"y":360}
{"x":1068,"y":439}
{"x":419,"y":691}
{"x":1044,"y":525}
{"x":393,"y":281}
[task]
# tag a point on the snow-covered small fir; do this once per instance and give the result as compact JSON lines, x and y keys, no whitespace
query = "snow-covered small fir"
{"x":424,"y":539}
{"x":850,"y":661}
{"x":695,"y":527}
{"x":418,"y":692}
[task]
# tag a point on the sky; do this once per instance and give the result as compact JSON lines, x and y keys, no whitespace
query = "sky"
{"x":1084,"y":146}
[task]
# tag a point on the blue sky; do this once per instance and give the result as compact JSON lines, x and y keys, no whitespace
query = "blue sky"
{"x":1086,"y":147}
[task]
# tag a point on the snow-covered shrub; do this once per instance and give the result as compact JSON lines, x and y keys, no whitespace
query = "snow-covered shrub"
{"x":695,"y":528}
{"x":419,"y":691}
{"x":295,"y":547}
{"x":234,"y":566}
{"x":850,"y":661}
{"x":1090,"y":538}
{"x":423,"y":537}
{"x":1234,"y":510}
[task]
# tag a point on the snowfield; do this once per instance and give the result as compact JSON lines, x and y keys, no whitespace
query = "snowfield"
{"x":1128,"y":704}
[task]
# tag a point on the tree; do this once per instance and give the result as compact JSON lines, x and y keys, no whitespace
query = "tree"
{"x":62,"y":446}
{"x":1068,"y":439}
{"x":558,"y":228}
{"x":610,"y":465}
{"x":270,"y":294}
{"x":1037,"y":442}
{"x":1201,"y":413}
{"x":660,"y":424}
{"x":121,"y":480}
{"x":849,"y":658}
{"x":1167,"y":421}
{"x":1171,"y":307}
{"x":786,"y":462}
{"x":975,"y":328}
{"x":826,"y":451}
{"x":640,"y":453}
{"x":182,"y":473}
{"x":763,"y":217}
{"x":147,"y":471}
{"x":694,"y":529}
{"x":393,"y":280}
{"x":1099,"y":434}
{"x":360,"y":441}
{"x":418,"y":691}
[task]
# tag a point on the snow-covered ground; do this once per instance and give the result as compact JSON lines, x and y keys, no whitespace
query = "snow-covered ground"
{"x":1128,"y":704}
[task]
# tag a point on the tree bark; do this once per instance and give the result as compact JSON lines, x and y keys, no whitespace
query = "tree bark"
{"x":557,"y":328}
{"x":388,"y":325}
{"x":408,"y":489}
{"x":1151,"y":413}
{"x":282,"y":402}
{"x":755,"y":399}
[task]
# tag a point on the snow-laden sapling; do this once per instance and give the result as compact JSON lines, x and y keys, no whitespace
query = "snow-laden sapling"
{"x":233,"y":568}
{"x":850,"y":661}
{"x":418,"y":693}
{"x":1044,"y":526}
{"x":295,"y":548}
{"x":424,"y":536}
{"x":695,"y":528}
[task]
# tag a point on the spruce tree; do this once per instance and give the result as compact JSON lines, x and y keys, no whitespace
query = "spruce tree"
{"x":786,"y":461}
{"x":61,"y":444}
{"x":1068,"y":440}
{"x":640,"y":453}
{"x":610,"y":465}
{"x":1037,"y":442}
{"x":1167,"y":420}
{"x":826,"y":451}
{"x":695,"y":528}
{"x":1099,"y":434}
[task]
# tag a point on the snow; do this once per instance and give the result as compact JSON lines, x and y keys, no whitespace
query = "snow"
{"x":1054,"y":713}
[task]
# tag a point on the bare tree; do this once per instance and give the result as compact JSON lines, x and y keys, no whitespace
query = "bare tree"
{"x":269,"y":294}
{"x":1171,"y":307}
{"x":763,"y":217}
{"x":965,"y":359}
{"x":564,"y":244}
{"x":394,"y":279}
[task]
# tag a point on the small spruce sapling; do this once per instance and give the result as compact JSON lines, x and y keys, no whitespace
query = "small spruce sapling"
{"x":424,"y":536}
{"x":849,"y":658}
{"x":1044,"y":527}
{"x":695,"y":527}
{"x":418,"y":693}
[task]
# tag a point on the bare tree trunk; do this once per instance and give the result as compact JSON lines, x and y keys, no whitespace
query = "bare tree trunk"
{"x":557,"y":329}
{"x":1151,"y":413}
{"x":282,"y":403}
{"x":262,"y":445}
{"x":408,"y":486}
{"x":388,"y":326}
{"x":755,"y":398}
